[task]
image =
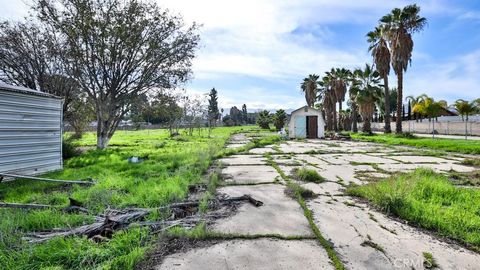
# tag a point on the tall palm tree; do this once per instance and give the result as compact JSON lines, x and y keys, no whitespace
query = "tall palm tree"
{"x":367,"y":91}
{"x":352,"y":94}
{"x":400,"y":24}
{"x":341,"y":79}
{"x":381,"y":57}
{"x":310,"y":87}
{"x":329,"y":100}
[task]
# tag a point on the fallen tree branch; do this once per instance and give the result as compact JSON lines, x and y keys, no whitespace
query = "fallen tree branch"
{"x":119,"y":219}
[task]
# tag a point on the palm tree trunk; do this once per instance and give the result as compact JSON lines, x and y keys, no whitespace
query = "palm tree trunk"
{"x":367,"y":127}
{"x":388,"y":128}
{"x":354,"y":116}
{"x":340,"y":127}
{"x":335,"y":126}
{"x":399,"y":102}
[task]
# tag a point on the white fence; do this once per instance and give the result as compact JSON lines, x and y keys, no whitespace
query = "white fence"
{"x":441,"y":127}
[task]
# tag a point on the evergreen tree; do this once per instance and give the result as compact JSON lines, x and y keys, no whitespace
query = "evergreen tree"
{"x":213,"y":112}
{"x":244,"y":114}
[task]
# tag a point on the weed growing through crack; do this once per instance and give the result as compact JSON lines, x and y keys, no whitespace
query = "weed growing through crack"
{"x":369,"y":242}
{"x":428,"y":261}
{"x":428,"y":200}
{"x":307,"y":175}
{"x":471,"y":162}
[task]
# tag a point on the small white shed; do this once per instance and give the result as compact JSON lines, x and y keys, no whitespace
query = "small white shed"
{"x":30,"y":131}
{"x":306,"y":122}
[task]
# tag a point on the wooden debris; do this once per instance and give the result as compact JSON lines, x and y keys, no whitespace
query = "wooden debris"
{"x":118,"y":219}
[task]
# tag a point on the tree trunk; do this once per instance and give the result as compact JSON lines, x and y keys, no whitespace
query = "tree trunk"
{"x":354,"y":116}
{"x":388,"y":128}
{"x":340,"y":127}
{"x":399,"y":102}
{"x":335,"y":126}
{"x":367,"y":127}
{"x":107,"y":123}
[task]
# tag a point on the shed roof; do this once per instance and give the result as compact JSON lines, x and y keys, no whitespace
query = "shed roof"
{"x":310,"y":108}
{"x":24,"y":90}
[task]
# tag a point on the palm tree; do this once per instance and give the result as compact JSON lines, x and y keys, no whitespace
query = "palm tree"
{"x":465,"y":108}
{"x":430,"y":108}
{"x":367,"y":91}
{"x":414,"y":101}
{"x":381,"y":57}
{"x":310,"y":86}
{"x":328,"y":100}
{"x":339,"y":83}
{"x":400,"y":24}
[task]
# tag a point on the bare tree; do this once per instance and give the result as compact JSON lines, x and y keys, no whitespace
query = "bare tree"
{"x":194,"y":110}
{"x":118,"y":49}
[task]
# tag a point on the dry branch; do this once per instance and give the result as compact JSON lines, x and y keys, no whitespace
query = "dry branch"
{"x":185,"y":214}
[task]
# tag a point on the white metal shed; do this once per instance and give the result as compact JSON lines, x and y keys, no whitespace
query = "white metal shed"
{"x":30,"y":131}
{"x":306,"y":122}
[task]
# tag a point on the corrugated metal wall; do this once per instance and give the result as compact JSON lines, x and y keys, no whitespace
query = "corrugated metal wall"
{"x":30,"y":133}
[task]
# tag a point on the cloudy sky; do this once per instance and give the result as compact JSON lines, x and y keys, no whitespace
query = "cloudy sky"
{"x":258,"y":51}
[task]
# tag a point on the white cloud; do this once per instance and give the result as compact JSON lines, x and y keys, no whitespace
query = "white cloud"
{"x":449,"y":80}
{"x":252,"y":38}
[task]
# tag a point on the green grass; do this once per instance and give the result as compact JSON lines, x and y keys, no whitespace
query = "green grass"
{"x":450,"y":145}
{"x":307,"y":175}
{"x":169,"y":166}
{"x":471,"y":162}
{"x":431,"y":201}
{"x":428,"y":261}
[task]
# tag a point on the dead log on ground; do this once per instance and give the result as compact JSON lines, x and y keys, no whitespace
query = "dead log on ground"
{"x":120,"y":219}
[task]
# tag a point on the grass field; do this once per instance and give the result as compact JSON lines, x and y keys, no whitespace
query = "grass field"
{"x":169,"y":166}
{"x":429,"y":200}
{"x":450,"y":145}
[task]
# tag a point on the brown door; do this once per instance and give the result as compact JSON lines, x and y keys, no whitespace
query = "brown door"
{"x":312,"y":127}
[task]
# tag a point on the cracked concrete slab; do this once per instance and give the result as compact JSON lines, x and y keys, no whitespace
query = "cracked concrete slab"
{"x":324,"y":188}
{"x":444,"y":167}
{"x":244,"y":160}
{"x":259,"y":254}
{"x":419,"y":159}
{"x":312,"y":159}
{"x":262,"y":151}
{"x":366,"y":239}
{"x":249,"y":174}
{"x":345,"y":172}
{"x":279,"y":214}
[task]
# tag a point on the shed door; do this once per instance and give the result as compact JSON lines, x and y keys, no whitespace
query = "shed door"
{"x":312,"y":127}
{"x":300,"y":126}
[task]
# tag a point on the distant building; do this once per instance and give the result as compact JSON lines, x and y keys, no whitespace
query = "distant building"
{"x":306,"y":122}
{"x":30,"y":131}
